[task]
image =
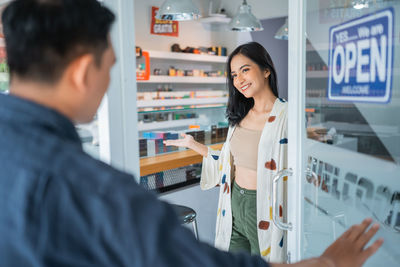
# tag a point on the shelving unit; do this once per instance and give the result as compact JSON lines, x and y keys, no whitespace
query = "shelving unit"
{"x":175,"y":114}
{"x":187,"y":57}
{"x":182,"y":108}
{"x":184,"y":79}
{"x":181,"y":102}
{"x":162,"y":59}
{"x":158,"y":125}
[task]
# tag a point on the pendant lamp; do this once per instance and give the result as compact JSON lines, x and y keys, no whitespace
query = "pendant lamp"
{"x":178,"y":10}
{"x":283,"y":32}
{"x":360,"y":4}
{"x":244,"y":20}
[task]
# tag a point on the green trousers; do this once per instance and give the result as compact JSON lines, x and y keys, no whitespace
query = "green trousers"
{"x":244,"y":225}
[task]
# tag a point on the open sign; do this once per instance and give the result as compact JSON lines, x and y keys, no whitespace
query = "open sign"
{"x":360,"y":59}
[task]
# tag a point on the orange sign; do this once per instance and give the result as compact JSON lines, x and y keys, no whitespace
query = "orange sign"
{"x":163,"y":27}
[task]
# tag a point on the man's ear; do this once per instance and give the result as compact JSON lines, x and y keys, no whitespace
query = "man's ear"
{"x":78,"y":72}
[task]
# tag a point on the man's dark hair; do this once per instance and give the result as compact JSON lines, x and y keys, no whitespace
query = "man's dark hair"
{"x":238,"y":104}
{"x":44,"y":36}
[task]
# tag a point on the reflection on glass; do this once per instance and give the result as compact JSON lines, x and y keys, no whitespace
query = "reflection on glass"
{"x":353,"y":169}
{"x":368,"y":128}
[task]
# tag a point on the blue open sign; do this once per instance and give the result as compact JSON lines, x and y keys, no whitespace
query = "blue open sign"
{"x":361,"y":59}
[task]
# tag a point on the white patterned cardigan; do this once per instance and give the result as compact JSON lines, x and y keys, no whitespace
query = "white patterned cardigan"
{"x":272,"y":158}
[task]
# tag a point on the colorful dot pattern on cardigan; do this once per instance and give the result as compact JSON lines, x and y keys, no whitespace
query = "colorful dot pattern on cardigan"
{"x":271,"y":119}
{"x":215,"y":157}
{"x":226,"y":188}
{"x":283,"y":141}
{"x":270,"y":165}
{"x":281,"y":243}
{"x":263,"y":225}
{"x":266,"y":252}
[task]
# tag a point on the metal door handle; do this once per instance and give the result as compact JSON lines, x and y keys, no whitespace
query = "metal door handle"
{"x":275,"y":205}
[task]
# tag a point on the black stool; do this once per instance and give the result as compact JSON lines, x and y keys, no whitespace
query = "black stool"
{"x":186,"y":215}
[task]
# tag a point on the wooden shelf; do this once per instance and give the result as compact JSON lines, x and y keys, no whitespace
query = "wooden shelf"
{"x":170,"y":161}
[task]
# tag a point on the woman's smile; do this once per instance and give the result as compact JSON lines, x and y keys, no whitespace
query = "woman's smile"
{"x":245,"y":87}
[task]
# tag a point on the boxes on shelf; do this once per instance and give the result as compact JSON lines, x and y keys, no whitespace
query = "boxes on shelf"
{"x":180,"y":94}
{"x":151,"y":143}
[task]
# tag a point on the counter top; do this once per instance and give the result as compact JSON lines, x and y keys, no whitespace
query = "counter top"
{"x":172,"y":160}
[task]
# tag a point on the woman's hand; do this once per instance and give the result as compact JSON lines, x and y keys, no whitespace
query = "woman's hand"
{"x":186,"y":141}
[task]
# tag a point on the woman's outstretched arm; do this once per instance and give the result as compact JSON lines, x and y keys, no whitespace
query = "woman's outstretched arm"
{"x":188,"y":142}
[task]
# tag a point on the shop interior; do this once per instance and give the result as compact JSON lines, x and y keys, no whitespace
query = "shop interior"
{"x":180,"y":87}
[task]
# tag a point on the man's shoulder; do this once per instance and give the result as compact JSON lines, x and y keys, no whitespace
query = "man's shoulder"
{"x":79,"y":168}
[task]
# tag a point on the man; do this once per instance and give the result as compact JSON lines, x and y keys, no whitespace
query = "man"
{"x":59,"y":206}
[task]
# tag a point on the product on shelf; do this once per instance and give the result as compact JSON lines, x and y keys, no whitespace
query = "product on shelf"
{"x":167,"y":94}
{"x":152,"y":144}
{"x":214,"y":50}
{"x":142,"y":147}
{"x":143,"y":69}
{"x":171,"y":71}
{"x":157,"y":72}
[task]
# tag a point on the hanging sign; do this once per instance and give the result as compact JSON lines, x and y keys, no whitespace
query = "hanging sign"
{"x":163,"y":27}
{"x":361,"y":59}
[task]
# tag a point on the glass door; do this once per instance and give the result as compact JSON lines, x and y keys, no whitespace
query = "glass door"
{"x":346,"y":164}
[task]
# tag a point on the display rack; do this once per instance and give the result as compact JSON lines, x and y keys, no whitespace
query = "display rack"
{"x":202,"y":108}
{"x":184,"y":79}
{"x":187,"y":57}
{"x":156,"y":125}
{"x":181,"y":102}
{"x":162,"y":59}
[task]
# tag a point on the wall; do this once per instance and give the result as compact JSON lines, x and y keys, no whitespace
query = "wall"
{"x":262,"y":9}
{"x":191,"y":33}
{"x":278,"y":50}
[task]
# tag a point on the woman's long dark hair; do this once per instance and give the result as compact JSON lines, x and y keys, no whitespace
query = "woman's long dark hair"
{"x":238,"y":104}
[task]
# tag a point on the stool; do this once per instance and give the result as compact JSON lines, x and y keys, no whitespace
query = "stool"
{"x":186,"y":215}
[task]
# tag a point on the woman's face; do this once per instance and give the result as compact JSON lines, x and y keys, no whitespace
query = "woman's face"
{"x":247,"y":76}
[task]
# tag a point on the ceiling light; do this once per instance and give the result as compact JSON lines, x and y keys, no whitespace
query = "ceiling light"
{"x":244,"y":20}
{"x":283,"y":32}
{"x":178,"y":10}
{"x":359,"y":4}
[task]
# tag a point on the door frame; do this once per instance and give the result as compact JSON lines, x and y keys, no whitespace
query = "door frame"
{"x":296,"y":125}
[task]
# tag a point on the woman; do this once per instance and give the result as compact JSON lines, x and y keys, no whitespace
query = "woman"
{"x":255,"y":150}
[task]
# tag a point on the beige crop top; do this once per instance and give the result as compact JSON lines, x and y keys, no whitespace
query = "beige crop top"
{"x":244,"y":147}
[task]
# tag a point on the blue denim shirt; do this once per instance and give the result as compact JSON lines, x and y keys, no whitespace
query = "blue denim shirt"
{"x":60,"y":207}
